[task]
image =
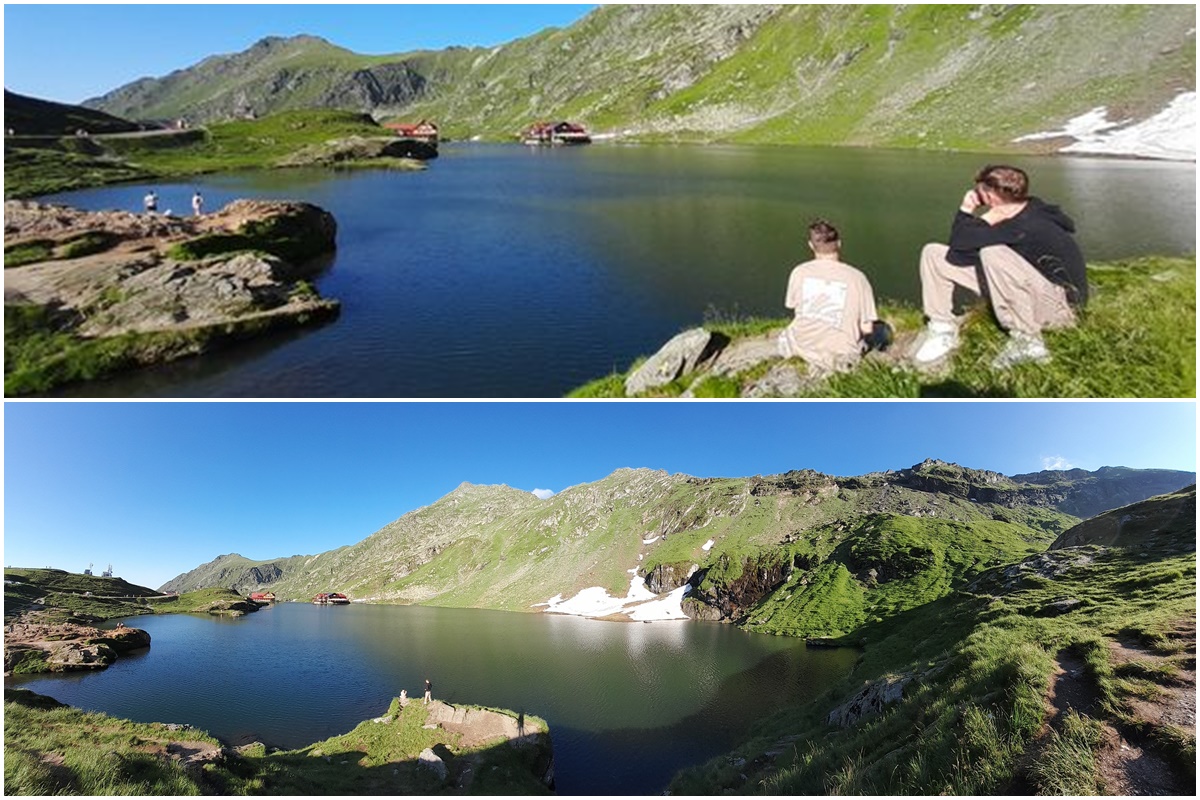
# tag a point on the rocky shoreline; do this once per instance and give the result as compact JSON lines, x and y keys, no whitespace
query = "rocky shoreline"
{"x":33,"y":646}
{"x":148,"y":288}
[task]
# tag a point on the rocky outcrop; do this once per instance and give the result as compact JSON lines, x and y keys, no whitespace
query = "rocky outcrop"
{"x":665,"y":578}
{"x":733,"y":599}
{"x":358,"y":149}
{"x":870,"y":701}
{"x":164,"y":286}
{"x":680,"y":356}
{"x":480,"y":727}
{"x":42,"y":647}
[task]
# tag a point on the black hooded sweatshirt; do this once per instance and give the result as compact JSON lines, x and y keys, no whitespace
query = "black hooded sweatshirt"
{"x":1041,"y":234}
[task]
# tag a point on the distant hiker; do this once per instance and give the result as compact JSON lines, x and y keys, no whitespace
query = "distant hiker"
{"x":1015,"y":250}
{"x":150,"y":201}
{"x":521,"y":724}
{"x":428,"y":690}
{"x":403,"y":697}
{"x":197,"y":204}
{"x":835,"y":307}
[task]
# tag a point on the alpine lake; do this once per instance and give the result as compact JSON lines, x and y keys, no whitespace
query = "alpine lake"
{"x":507,"y":271}
{"x":629,"y":704}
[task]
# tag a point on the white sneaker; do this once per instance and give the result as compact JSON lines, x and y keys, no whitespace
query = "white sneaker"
{"x":1022,"y":348}
{"x":939,"y":340}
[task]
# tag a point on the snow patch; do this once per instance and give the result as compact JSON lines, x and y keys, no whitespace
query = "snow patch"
{"x":666,"y":608}
{"x":1169,"y":135}
{"x":650,"y":541}
{"x":639,"y":603}
{"x":708,"y":545}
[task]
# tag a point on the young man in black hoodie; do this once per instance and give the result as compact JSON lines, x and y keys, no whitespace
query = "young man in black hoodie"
{"x":1017,"y":251}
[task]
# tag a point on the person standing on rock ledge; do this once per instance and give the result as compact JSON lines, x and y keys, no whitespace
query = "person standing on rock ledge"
{"x":835,"y":307}
{"x":428,"y":691}
{"x":197,"y":204}
{"x":150,"y":201}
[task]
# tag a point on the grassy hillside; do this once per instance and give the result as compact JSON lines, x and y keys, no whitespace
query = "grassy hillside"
{"x":1137,"y":338}
{"x":498,"y":547}
{"x":29,"y":116}
{"x":34,"y":168}
{"x":930,"y":76}
{"x":977,"y":681}
{"x":55,"y":749}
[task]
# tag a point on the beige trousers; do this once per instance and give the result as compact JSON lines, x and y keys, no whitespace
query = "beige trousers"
{"x":1022,"y":299}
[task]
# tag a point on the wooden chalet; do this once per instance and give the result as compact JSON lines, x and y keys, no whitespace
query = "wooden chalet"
{"x":423,"y":131}
{"x":556,"y":133}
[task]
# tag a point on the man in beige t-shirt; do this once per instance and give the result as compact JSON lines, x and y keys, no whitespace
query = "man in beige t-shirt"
{"x":834,"y":305}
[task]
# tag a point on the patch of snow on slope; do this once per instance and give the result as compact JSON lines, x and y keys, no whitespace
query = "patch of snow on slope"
{"x":597,"y":602}
{"x":667,"y":608}
{"x":1168,"y":135}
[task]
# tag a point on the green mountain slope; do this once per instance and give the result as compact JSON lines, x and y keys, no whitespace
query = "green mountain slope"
{"x":29,"y":116}
{"x":738,"y":541}
{"x":942,"y":76}
{"x":1070,"y":672}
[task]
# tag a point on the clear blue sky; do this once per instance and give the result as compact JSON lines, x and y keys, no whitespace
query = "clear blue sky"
{"x":70,"y":53}
{"x":160,"y":488}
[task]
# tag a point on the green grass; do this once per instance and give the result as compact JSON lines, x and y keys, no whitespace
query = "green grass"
{"x":1137,"y":338}
{"x":224,"y":147}
{"x":18,"y":255}
{"x":54,"y":749}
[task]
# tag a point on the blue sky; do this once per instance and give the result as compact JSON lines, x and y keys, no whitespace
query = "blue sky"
{"x":70,"y":53}
{"x":157,"y":489}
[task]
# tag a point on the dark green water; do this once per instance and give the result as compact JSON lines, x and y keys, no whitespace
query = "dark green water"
{"x":505,"y":271}
{"x":628,"y":703}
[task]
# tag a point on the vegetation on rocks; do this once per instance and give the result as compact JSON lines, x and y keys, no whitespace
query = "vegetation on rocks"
{"x":41,"y":165}
{"x":55,"y":749}
{"x":925,"y":76}
{"x":1137,"y":338}
{"x":978,"y":680}
{"x":89,"y":294}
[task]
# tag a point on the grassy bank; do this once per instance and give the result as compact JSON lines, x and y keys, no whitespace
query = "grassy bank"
{"x":61,"y":596}
{"x":36,"y":168}
{"x":54,"y":749}
{"x":978,"y":670}
{"x":1137,"y":338}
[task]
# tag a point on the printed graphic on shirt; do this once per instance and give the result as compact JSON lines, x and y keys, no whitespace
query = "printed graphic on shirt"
{"x":824,"y":301}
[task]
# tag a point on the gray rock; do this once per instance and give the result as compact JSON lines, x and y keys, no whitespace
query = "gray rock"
{"x":677,"y":357}
{"x":783,"y":380}
{"x":432,"y":762}
{"x":745,"y":354}
{"x":870,"y":701}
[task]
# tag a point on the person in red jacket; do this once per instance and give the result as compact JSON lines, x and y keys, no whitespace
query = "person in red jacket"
{"x":1017,"y":251}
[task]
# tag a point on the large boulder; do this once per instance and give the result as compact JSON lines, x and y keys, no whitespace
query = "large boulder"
{"x":683,"y":354}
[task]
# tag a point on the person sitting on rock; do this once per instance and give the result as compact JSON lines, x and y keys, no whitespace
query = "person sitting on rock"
{"x":835,"y":318}
{"x":1017,"y":251}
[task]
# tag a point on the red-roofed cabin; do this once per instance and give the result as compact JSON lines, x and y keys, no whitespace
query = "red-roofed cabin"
{"x":556,"y":133}
{"x":423,"y":131}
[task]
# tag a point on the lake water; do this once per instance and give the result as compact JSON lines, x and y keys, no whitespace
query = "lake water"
{"x":628,"y":704}
{"x":505,"y":271}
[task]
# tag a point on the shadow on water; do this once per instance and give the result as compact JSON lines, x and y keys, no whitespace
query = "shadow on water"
{"x":618,"y":763}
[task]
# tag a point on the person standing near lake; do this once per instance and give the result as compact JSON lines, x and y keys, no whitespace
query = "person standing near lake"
{"x":834,"y":305}
{"x":197,"y":204}
{"x":428,"y":691}
{"x":150,"y":201}
{"x":1017,"y":251}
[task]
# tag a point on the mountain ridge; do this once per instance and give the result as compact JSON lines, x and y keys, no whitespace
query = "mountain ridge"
{"x":936,"y":77}
{"x":499,"y":547}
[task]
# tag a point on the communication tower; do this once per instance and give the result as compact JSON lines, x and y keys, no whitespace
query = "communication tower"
{"x":107,"y":573}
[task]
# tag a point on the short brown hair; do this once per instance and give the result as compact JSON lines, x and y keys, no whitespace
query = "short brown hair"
{"x":1009,"y":182}
{"x":823,"y":236}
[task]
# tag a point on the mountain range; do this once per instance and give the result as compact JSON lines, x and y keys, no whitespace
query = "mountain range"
{"x":940,"y":76}
{"x":754,"y":550}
